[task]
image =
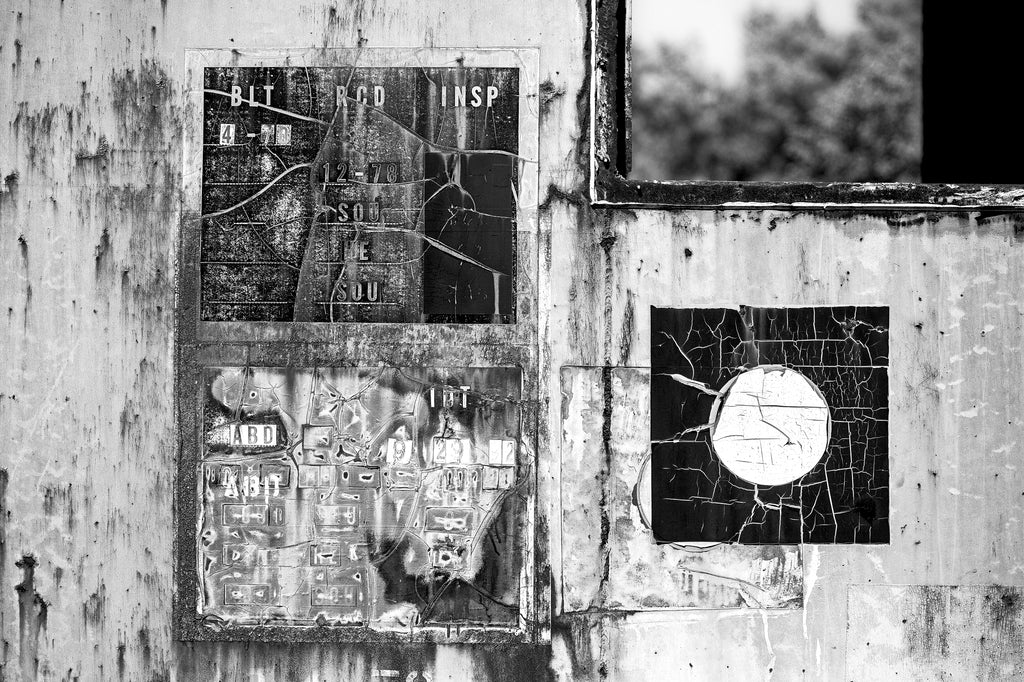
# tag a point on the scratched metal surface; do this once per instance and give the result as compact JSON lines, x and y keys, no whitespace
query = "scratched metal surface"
{"x":350,"y":498}
{"x":90,"y":154}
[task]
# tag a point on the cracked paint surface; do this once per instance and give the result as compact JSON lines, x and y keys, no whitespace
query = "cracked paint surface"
{"x":624,"y":568}
{"x":701,"y":491}
{"x":381,"y":497}
{"x":770,"y":425}
{"x":362,"y":194}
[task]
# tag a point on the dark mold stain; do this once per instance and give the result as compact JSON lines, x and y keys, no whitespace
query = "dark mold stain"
{"x":143,"y":104}
{"x":31,"y":618}
{"x":898,"y":220}
{"x":5,"y":517}
{"x":58,"y":498}
{"x":549,"y":92}
{"x":987,"y":215}
{"x":145,"y":647}
{"x":102,"y":250}
{"x":605,"y":473}
{"x":94,"y":608}
{"x":986,"y":622}
{"x":101,"y":151}
{"x":336,"y":22}
{"x":120,"y":659}
{"x":513,"y":663}
{"x":556,"y":194}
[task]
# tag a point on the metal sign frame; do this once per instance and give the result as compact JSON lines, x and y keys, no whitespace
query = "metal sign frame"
{"x":207,"y":344}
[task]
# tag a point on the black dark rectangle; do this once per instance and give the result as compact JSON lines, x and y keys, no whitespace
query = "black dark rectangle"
{"x":970,"y":143}
{"x":469,"y":224}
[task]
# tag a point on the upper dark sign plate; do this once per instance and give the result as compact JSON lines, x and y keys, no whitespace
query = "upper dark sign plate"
{"x":360,"y":193}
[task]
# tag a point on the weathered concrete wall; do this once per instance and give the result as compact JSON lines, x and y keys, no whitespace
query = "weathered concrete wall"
{"x":90,"y":151}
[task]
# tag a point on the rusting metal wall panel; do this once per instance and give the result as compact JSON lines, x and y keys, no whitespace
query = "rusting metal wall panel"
{"x":93,"y":119}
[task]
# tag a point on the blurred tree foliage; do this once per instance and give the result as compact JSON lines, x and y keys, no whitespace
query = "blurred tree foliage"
{"x":810,"y":105}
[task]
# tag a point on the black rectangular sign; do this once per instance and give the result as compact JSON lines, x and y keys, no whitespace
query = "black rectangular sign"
{"x":770,"y":425}
{"x":359,"y":194}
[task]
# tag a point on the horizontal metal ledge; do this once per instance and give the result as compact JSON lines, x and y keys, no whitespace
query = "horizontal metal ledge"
{"x":194,"y":630}
{"x":612,"y":191}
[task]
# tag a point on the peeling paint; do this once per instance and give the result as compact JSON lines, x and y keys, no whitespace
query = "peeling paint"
{"x":626,"y":569}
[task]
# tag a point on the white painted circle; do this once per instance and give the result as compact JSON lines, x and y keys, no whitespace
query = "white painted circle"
{"x":770,"y":426}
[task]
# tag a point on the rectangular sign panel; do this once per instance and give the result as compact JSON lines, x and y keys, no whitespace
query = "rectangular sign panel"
{"x":390,"y":498}
{"x":356,"y":347}
{"x":770,"y":425}
{"x":359,"y":194}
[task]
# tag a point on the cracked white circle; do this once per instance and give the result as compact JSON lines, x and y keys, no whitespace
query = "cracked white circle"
{"x":770,"y":425}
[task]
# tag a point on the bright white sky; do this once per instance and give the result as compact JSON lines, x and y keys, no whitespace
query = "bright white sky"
{"x":715,"y":27}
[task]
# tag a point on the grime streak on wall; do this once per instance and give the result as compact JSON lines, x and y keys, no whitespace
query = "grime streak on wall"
{"x":31,"y":618}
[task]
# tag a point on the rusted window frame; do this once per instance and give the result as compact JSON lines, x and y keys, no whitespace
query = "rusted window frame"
{"x":611,"y":150}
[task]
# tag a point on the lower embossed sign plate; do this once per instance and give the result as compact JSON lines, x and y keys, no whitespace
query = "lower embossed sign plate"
{"x":385,"y":498}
